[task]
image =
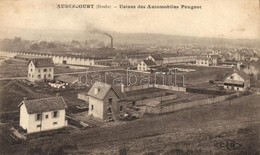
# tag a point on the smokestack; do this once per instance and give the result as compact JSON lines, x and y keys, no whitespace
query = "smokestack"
{"x":112,"y":42}
{"x":112,"y":46}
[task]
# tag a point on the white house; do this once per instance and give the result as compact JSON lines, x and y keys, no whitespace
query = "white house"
{"x":40,"y":69}
{"x":106,"y":102}
{"x":207,"y":60}
{"x":42,"y":114}
{"x":238,"y":81}
{"x":146,"y":65}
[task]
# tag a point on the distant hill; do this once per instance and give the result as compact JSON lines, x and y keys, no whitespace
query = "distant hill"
{"x":126,"y":38}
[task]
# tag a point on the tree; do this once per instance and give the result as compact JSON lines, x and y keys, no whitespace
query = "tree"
{"x":51,"y":45}
{"x":35,"y":46}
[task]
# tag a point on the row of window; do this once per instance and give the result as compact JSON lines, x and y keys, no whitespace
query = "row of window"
{"x":54,"y":123}
{"x":234,"y":88}
{"x":140,"y":68}
{"x":39,"y":76}
{"x":44,"y":70}
{"x":109,"y":109}
{"x":39,"y":116}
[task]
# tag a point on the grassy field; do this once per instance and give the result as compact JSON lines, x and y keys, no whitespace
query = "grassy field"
{"x":18,"y":68}
{"x":12,"y":93}
{"x":191,"y":131}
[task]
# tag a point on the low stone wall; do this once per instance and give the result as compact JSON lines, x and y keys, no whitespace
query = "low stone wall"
{"x":180,"y":106}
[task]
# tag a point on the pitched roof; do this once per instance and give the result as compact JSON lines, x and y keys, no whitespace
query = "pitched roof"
{"x":67,"y":78}
{"x":242,"y":74}
{"x":157,"y":57}
{"x":42,"y":62}
{"x":149,"y":62}
{"x":103,"y":89}
{"x":44,"y":104}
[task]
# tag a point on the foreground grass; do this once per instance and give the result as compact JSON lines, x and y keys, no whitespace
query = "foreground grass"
{"x":190,"y":131}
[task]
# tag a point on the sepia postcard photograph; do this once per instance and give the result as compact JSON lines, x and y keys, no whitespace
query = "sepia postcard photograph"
{"x":129,"y":77}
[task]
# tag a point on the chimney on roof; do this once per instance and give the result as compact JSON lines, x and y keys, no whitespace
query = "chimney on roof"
{"x":122,"y":87}
{"x":25,"y":98}
{"x":96,"y":90}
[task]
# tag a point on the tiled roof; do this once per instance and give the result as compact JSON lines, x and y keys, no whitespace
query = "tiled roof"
{"x":103,"y":89}
{"x":42,"y":62}
{"x":44,"y":105}
{"x":157,"y":57}
{"x":149,"y":62}
{"x":242,"y":74}
{"x":67,"y":78}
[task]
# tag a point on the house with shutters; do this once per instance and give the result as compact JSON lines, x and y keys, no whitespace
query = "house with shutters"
{"x":238,"y":81}
{"x":156,"y":58}
{"x":106,"y":102}
{"x":43,"y":114}
{"x":146,"y":65}
{"x":40,"y":69}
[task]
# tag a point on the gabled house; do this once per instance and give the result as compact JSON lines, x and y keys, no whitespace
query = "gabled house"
{"x":146,"y":65}
{"x":106,"y":102}
{"x":238,"y":81}
{"x":40,"y":69}
{"x":156,"y":58}
{"x":42,"y":114}
{"x":207,"y":60}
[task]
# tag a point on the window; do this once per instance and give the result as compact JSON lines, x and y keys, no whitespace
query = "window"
{"x":38,"y":117}
{"x":49,"y":75}
{"x":39,"y":76}
{"x":31,"y":70}
{"x":121,"y":108}
{"x":54,"y":123}
{"x":110,"y":100}
{"x":109,"y":110}
{"x":38,"y":126}
{"x":55,"y":114}
{"x":46,"y":116}
{"x":44,"y":70}
{"x":231,"y":77}
{"x":39,"y":70}
{"x":92,"y":107}
{"x":29,"y":75}
{"x":50,"y":69}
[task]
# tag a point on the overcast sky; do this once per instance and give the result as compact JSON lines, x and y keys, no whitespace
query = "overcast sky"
{"x":217,"y":18}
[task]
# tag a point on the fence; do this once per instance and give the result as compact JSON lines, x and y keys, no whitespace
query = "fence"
{"x":172,"y":88}
{"x":180,"y":106}
{"x":207,"y":91}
